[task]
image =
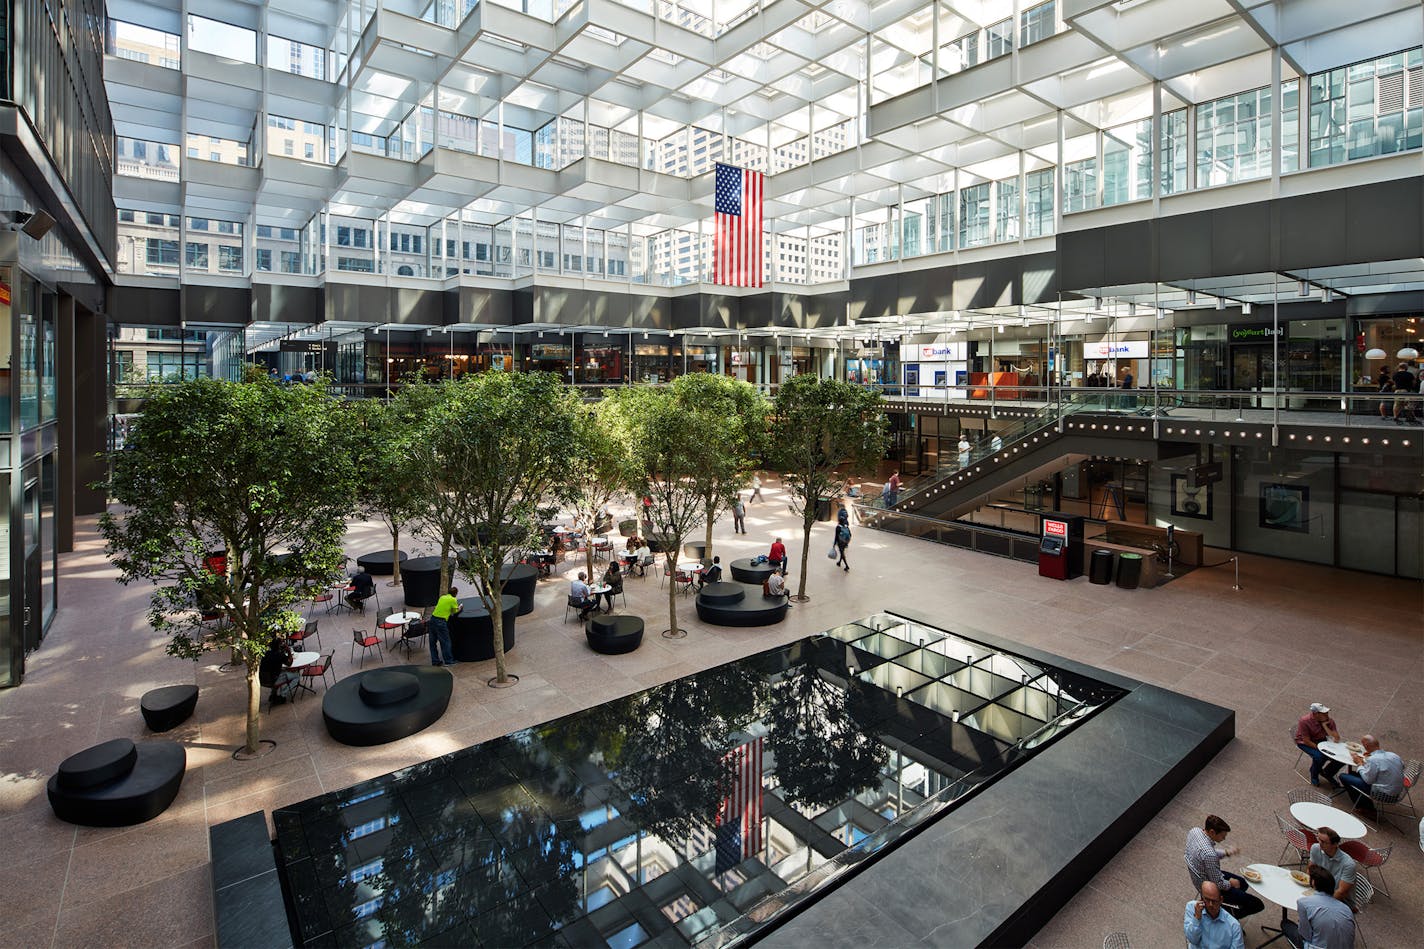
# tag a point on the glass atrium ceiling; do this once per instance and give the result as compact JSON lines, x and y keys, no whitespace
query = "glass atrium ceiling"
{"x":609,"y":114}
{"x":695,"y":812}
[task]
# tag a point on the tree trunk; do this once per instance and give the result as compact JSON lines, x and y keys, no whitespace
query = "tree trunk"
{"x":672,"y":592}
{"x":588,"y":552}
{"x":395,"y":555}
{"x":444,"y":566}
{"x":496,"y":611}
{"x":805,"y":552}
{"x":254,"y":709}
{"x":711,"y":512}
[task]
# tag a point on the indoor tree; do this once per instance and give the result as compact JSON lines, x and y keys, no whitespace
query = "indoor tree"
{"x":435,"y":512}
{"x":503,"y":442}
{"x":389,"y":486}
{"x":596,"y":470}
{"x":666,"y":443}
{"x":259,"y":474}
{"x":734,"y":428}
{"x":823,"y":431}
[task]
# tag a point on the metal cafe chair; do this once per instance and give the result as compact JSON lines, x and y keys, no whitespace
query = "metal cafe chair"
{"x":359,"y":637}
{"x":1369,"y":858}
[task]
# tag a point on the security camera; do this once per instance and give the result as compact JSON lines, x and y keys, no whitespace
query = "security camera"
{"x":34,"y":225}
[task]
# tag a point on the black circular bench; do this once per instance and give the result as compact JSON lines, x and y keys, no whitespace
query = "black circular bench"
{"x":521,"y":580}
{"x":747,"y":572}
{"x":117,"y":783}
{"x":384,"y":705}
{"x":421,"y":578}
{"x":380,"y":563}
{"x":168,"y":707}
{"x":697,"y":551}
{"x":730,"y":603}
{"x":612,"y":635}
{"x":472,"y":630}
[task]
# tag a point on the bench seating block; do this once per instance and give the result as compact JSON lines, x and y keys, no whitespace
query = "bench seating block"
{"x":614,"y":635}
{"x":118,"y":783}
{"x":169,"y":706}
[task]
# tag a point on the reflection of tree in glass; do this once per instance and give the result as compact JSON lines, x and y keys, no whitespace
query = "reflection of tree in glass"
{"x":674,"y":766}
{"x":473,"y":844}
{"x":823,"y":754}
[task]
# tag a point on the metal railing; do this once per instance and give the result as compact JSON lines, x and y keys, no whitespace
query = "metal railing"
{"x":982,"y":538}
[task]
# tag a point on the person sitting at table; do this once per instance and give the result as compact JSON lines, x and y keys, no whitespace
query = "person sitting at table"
{"x":1206,"y":926}
{"x":363,"y":587}
{"x":712,"y":574}
{"x":1378,"y":770}
{"x":1325,"y":920}
{"x":274,"y":671}
{"x":581,"y":596}
{"x":1203,"y":858}
{"x":1316,"y":726}
{"x":1326,"y":853}
{"x":644,"y":555}
{"x":613,"y":579}
{"x":777,"y":555}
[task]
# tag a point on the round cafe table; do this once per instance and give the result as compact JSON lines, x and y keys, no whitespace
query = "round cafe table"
{"x":1336,"y":751}
{"x":1277,"y":887}
{"x":301,"y":660}
{"x":400,"y":619}
{"x":1311,"y":815}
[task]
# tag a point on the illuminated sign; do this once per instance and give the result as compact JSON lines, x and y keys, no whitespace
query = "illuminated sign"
{"x":1056,"y":528}
{"x":942,"y":352}
{"x":1129,"y":349}
{"x":1260,"y":334}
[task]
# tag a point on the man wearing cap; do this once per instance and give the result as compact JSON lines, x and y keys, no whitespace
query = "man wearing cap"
{"x":1314,"y":727}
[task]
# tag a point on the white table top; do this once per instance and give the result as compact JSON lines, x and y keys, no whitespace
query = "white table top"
{"x":1276,"y":885}
{"x":1336,"y":750}
{"x":400,"y":618}
{"x":600,"y":588}
{"x":300,"y":659}
{"x":1313,"y":815}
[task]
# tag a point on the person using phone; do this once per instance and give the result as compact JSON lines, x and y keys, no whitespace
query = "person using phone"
{"x":1207,"y":927}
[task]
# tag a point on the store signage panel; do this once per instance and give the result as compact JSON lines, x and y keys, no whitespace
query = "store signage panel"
{"x":1123,"y":349}
{"x":1256,"y":334}
{"x":1055,"y":528}
{"x":943,"y":352}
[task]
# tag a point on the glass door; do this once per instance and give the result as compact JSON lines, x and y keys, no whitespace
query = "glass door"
{"x":32,"y":617}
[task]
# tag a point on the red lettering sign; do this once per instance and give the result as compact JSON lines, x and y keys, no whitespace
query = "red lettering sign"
{"x":1057,"y":528}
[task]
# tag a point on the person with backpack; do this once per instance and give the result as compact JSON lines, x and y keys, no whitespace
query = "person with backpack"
{"x":842,"y":540}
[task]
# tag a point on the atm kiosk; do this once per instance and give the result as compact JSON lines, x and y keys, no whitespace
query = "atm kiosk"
{"x":1060,"y":547}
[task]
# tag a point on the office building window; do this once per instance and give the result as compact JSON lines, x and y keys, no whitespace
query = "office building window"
{"x":162,"y":253}
{"x":1234,"y":138}
{"x":230,"y":258}
{"x":1000,"y":38}
{"x":264,"y":260}
{"x":974,"y":215}
{"x":1173,"y":144}
{"x":291,"y":261}
{"x":1006,"y":210}
{"x":1370,"y":108}
{"x":1036,"y":23}
{"x":1038,"y":203}
{"x":196,"y":255}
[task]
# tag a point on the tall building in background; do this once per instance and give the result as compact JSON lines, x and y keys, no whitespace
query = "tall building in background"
{"x":56,"y":261}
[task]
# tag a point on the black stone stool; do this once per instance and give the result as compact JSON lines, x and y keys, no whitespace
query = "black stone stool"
{"x":612,"y":635}
{"x":169,"y":706}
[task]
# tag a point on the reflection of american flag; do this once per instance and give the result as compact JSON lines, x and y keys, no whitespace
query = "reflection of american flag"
{"x":737,"y":249}
{"x":739,"y":818}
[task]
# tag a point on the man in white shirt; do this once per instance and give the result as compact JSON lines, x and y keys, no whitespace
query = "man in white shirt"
{"x":775,"y":584}
{"x":581,"y":596}
{"x":1207,"y":926}
{"x":1378,"y":770}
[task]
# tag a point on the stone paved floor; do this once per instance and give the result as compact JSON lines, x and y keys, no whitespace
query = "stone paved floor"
{"x":1294,"y":634}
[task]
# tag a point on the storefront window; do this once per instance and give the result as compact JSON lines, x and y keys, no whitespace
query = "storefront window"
{"x":550,"y":357}
{"x":6,"y":289}
{"x":29,"y":354}
{"x":1389,"y":336}
{"x":600,"y":360}
{"x":653,"y":362}
{"x":701,"y":358}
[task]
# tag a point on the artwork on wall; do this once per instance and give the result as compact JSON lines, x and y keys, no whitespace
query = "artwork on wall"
{"x":1188,"y":501}
{"x":1285,"y":507}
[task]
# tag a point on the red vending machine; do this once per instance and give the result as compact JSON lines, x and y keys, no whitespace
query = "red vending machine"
{"x":1060,"y":548}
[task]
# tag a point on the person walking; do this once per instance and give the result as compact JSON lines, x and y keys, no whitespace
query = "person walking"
{"x":739,"y":516}
{"x":893,"y":488}
{"x":756,"y":488}
{"x":439,"y":631}
{"x":842,"y":541}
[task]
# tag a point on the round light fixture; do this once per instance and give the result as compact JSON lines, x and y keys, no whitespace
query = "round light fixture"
{"x":1408,"y":352}
{"x":1376,"y":353}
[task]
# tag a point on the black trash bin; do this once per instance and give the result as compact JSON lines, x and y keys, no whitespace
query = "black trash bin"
{"x":823,"y":509}
{"x":1129,"y":571}
{"x":1100,"y":567}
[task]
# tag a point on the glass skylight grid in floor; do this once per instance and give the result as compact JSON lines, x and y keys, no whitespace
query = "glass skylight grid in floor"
{"x":693,"y":813}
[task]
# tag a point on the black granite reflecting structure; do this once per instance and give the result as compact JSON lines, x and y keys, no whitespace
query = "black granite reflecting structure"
{"x":421,"y":578}
{"x":472,"y":631}
{"x":695,"y":811}
{"x":384,"y":705}
{"x":248,"y":908}
{"x":521,"y":580}
{"x":381,"y":563}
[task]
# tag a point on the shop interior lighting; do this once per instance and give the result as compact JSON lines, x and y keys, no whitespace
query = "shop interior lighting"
{"x":1376,"y":353}
{"x":1245,"y":309}
{"x":1408,"y":352}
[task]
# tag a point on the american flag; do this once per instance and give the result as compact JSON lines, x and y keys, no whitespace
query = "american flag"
{"x":739,"y":818}
{"x":737,"y":252}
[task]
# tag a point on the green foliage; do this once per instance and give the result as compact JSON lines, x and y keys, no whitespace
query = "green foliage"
{"x":597,"y":469}
{"x":389,"y":485}
{"x":731,"y":419}
{"x":820,"y":736}
{"x":263,"y":474}
{"x":668,"y":444}
{"x":824,"y":431}
{"x":495,"y":443}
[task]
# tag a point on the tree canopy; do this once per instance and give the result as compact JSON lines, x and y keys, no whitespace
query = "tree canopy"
{"x":259,"y":474}
{"x":823,"y":431}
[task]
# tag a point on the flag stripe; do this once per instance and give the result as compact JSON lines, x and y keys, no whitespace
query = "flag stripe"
{"x":737,"y":257}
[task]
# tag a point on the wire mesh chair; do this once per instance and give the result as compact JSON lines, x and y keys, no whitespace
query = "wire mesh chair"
{"x":1369,"y":858}
{"x":1116,"y":941}
{"x":1360,"y":896}
{"x":1307,"y":796}
{"x":1296,"y":838}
